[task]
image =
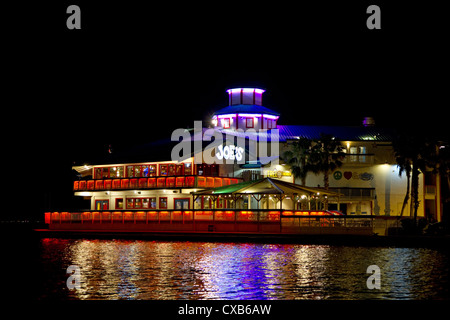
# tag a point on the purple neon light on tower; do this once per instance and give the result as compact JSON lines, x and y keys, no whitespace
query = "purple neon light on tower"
{"x":245,"y":111}
{"x":245,"y":96}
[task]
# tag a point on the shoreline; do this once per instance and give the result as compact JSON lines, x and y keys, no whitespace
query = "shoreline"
{"x":419,"y":241}
{"x":24,"y":231}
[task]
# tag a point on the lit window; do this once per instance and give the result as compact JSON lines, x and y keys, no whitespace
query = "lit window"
{"x":116,"y":172}
{"x":138,"y":203}
{"x":172,"y":169}
{"x":163,"y":170}
{"x":130,"y":203}
{"x":152,"y":203}
{"x":137,"y":171}
{"x":152,"y":170}
{"x":249,"y":122}
{"x":130,"y":171}
{"x":163,"y":203}
{"x":101,"y":204}
{"x":188,"y":168}
{"x":112,"y":172}
{"x":362,"y":150}
{"x":226,"y":123}
{"x":353,"y":150}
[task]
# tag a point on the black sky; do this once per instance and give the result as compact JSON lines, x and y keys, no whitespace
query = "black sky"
{"x":135,"y":73}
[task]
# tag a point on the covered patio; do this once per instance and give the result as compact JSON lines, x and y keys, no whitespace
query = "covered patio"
{"x":266,"y":193}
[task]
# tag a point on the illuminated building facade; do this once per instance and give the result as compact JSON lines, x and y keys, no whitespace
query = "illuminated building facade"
{"x":367,"y":183}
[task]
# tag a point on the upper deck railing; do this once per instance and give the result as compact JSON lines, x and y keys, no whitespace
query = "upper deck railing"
{"x":154,"y":183}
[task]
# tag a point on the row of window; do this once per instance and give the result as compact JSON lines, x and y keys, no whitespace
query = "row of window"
{"x":142,"y":203}
{"x":357,"y":154}
{"x":161,"y":203}
{"x":147,"y":170}
{"x":249,"y":123}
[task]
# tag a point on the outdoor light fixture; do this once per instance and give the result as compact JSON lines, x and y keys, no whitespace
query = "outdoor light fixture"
{"x":268,"y":116}
{"x":246,"y":90}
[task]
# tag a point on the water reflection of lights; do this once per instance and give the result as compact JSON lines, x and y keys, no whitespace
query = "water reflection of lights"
{"x":310,"y":270}
{"x":107,"y":268}
{"x":115,"y":269}
{"x":232,"y":271}
{"x":243,"y":271}
{"x":397,"y":266}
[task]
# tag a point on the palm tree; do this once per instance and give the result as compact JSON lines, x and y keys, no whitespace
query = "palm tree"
{"x":440,"y":165}
{"x":403,"y":157}
{"x":414,"y":153}
{"x":440,"y":162}
{"x":326,"y":156}
{"x":297,"y":158}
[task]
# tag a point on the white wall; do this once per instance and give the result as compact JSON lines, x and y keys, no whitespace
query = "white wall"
{"x":390,"y":189}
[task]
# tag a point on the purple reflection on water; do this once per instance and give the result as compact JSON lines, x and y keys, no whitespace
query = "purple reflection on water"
{"x":119,"y":269}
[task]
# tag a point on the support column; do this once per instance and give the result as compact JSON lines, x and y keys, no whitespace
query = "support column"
{"x":339,"y":201}
{"x":437,"y":199}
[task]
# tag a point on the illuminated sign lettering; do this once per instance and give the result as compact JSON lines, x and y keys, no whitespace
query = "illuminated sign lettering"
{"x":278,"y":174}
{"x":229,"y":152}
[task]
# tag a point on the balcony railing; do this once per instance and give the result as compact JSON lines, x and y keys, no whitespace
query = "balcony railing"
{"x":153,"y":183}
{"x":279,"y":221}
{"x":359,"y":158}
{"x":140,"y":216}
{"x":355,"y":193}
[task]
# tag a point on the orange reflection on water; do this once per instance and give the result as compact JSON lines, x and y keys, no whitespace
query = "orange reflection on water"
{"x":119,"y":269}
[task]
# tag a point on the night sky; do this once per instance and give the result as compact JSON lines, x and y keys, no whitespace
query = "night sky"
{"x":133,"y":74}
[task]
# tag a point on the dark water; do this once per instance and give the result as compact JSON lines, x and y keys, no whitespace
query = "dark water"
{"x":121,"y":269}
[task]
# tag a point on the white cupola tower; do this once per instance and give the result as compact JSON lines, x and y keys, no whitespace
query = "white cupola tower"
{"x":245,"y":111}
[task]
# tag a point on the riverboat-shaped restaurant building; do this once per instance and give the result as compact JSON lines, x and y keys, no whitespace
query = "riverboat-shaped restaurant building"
{"x":147,"y":191}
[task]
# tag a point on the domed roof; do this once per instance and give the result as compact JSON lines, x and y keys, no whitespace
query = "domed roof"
{"x":246,"y":108}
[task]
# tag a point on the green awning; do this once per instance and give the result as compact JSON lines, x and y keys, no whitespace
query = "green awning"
{"x":226,"y":189}
{"x":251,"y":165}
{"x":266,"y":186}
